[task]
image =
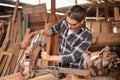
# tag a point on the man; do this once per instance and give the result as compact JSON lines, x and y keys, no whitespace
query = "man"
{"x":75,"y":38}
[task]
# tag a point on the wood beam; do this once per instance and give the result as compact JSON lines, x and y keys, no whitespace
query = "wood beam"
{"x":53,"y":4}
{"x":97,"y":12}
{"x":76,"y":2}
{"x":106,"y":10}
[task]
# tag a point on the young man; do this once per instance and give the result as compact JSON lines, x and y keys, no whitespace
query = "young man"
{"x":75,"y":38}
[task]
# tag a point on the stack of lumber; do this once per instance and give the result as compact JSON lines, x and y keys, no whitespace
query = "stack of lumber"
{"x":9,"y":51}
{"x":100,"y":62}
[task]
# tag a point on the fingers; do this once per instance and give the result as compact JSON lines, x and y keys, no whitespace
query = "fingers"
{"x":42,"y":31}
{"x":45,"y":56}
{"x":39,"y":32}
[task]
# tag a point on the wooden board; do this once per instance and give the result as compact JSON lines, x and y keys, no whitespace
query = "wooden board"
{"x":30,"y":9}
{"x":116,"y":14}
{"x":9,"y":54}
{"x":17,"y":76}
{"x":3,"y":62}
{"x":44,"y":77}
{"x":21,"y":52}
{"x":95,"y":26}
{"x":7,"y":37}
{"x":37,"y":12}
{"x":106,"y":27}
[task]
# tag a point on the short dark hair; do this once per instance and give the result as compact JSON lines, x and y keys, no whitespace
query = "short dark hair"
{"x":77,"y":13}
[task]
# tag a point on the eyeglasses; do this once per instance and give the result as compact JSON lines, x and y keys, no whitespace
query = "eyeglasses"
{"x":73,"y":25}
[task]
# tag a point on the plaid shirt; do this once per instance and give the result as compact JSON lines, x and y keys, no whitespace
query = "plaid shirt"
{"x":72,"y":46}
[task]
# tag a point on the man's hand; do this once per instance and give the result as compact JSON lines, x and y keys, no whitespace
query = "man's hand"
{"x":45,"y":56}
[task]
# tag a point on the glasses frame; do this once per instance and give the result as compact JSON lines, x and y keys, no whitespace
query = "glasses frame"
{"x":73,"y":25}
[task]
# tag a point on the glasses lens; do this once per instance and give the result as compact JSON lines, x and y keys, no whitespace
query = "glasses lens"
{"x":72,"y":24}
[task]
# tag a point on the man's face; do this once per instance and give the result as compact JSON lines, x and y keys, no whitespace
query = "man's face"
{"x":73,"y":24}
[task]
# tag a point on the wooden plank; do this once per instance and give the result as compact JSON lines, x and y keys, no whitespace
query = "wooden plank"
{"x":14,"y":33}
{"x":15,"y":51}
{"x":15,"y":11}
{"x":8,"y":62}
{"x":3,"y":63}
{"x":51,"y":20}
{"x":7,"y":37}
{"x":31,"y":9}
{"x":95,"y":27}
{"x":1,"y":55}
{"x":70,"y":71}
{"x":76,"y":77}
{"x":37,"y":12}
{"x":21,"y":56}
{"x":44,"y":77}
{"x":89,"y":24}
{"x":25,"y":23}
{"x":116,"y":14}
{"x":17,"y":76}
{"x":106,"y":27}
{"x":53,"y":8}
{"x":14,"y":46}
{"x":19,"y":28}
{"x":26,"y":34}
{"x":109,"y":39}
{"x":74,"y":71}
{"x":48,"y":24}
{"x":37,"y":17}
{"x":18,"y":59}
{"x":13,"y":21}
{"x":106,"y":9}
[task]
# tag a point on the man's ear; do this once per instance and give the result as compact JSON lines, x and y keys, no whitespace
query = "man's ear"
{"x":83,"y":21}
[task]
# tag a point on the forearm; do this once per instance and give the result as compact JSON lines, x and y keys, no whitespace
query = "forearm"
{"x":55,"y":58}
{"x":46,"y":32}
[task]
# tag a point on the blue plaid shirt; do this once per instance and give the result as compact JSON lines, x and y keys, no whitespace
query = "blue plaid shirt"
{"x":72,"y":46}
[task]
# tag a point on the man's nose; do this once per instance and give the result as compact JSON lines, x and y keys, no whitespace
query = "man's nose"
{"x":69,"y":26}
